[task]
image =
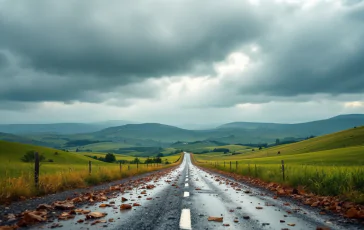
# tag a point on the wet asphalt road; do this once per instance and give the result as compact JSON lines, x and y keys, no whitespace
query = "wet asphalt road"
{"x":185,"y":198}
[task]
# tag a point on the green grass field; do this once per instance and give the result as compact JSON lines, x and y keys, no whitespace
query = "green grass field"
{"x":68,"y":170}
{"x":351,"y":156}
{"x":343,"y":139}
{"x":193,"y":145}
{"x":12,"y":166}
{"x":118,"y":157}
{"x":327,"y":165}
{"x":199,"y":147}
{"x":102,"y":146}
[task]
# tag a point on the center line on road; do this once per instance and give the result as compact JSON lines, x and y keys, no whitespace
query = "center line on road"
{"x":186,"y":179}
{"x":186,"y":185}
{"x":185,"y":221}
{"x":186,"y":194}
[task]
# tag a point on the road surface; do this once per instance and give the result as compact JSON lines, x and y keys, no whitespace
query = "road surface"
{"x":185,"y":198}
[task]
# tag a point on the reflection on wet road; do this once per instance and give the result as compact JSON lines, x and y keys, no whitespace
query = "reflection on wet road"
{"x":185,"y":198}
{"x":241,"y":207}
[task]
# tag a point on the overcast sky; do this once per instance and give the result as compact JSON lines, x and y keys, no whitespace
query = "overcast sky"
{"x":180,"y":61}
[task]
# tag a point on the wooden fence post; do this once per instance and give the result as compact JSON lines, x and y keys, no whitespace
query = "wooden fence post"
{"x":120,"y":166}
{"x":137,"y":165}
{"x":236,"y":163}
{"x":224,"y":164}
{"x":249,"y":168}
{"x":89,"y":167}
{"x":284,"y":178}
{"x":230,"y":165}
{"x":256,"y":174}
{"x":128,"y":167}
{"x":36,"y":170}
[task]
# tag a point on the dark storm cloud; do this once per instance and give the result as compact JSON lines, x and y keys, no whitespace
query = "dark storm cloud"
{"x":93,"y":51}
{"x":124,"y":39}
{"x":317,"y":52}
{"x":69,"y":50}
{"x":3,"y":60}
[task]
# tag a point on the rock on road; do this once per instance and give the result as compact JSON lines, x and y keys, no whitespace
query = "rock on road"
{"x":187,"y":196}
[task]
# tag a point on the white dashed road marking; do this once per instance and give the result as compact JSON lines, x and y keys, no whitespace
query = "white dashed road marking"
{"x":185,"y":221}
{"x":186,"y":194}
{"x":186,"y":185}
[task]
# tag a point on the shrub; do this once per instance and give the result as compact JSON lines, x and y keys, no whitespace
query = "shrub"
{"x":29,"y":157}
{"x":110,"y":158}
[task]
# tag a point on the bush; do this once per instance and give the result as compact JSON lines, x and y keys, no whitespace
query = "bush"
{"x":224,"y":150}
{"x":50,"y":160}
{"x":110,"y":158}
{"x":29,"y":157}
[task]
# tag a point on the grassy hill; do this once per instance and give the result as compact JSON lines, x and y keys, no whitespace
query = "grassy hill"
{"x":102,"y":147}
{"x":340,"y":140}
{"x":66,"y":171}
{"x":349,"y":156}
{"x":195,"y":145}
{"x":347,"y":138}
{"x":21,"y":139}
{"x":210,"y":146}
{"x":326,"y":165}
{"x":171,"y":158}
{"x":11,"y":154}
{"x":154,"y":131}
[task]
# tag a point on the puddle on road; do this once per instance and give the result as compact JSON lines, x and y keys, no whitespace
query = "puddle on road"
{"x":210,"y":205}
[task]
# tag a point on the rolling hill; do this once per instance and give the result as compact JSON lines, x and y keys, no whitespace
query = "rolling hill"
{"x":316,"y":128}
{"x":13,"y":152}
{"x":20,"y":139}
{"x":160,"y":135}
{"x":343,"y":142}
{"x":234,"y":133}
{"x":153,"y":131}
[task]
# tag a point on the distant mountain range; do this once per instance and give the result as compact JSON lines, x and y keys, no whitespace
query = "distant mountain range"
{"x":316,"y":128}
{"x":237,"y":132}
{"x":159,"y":134}
{"x":59,"y":128}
